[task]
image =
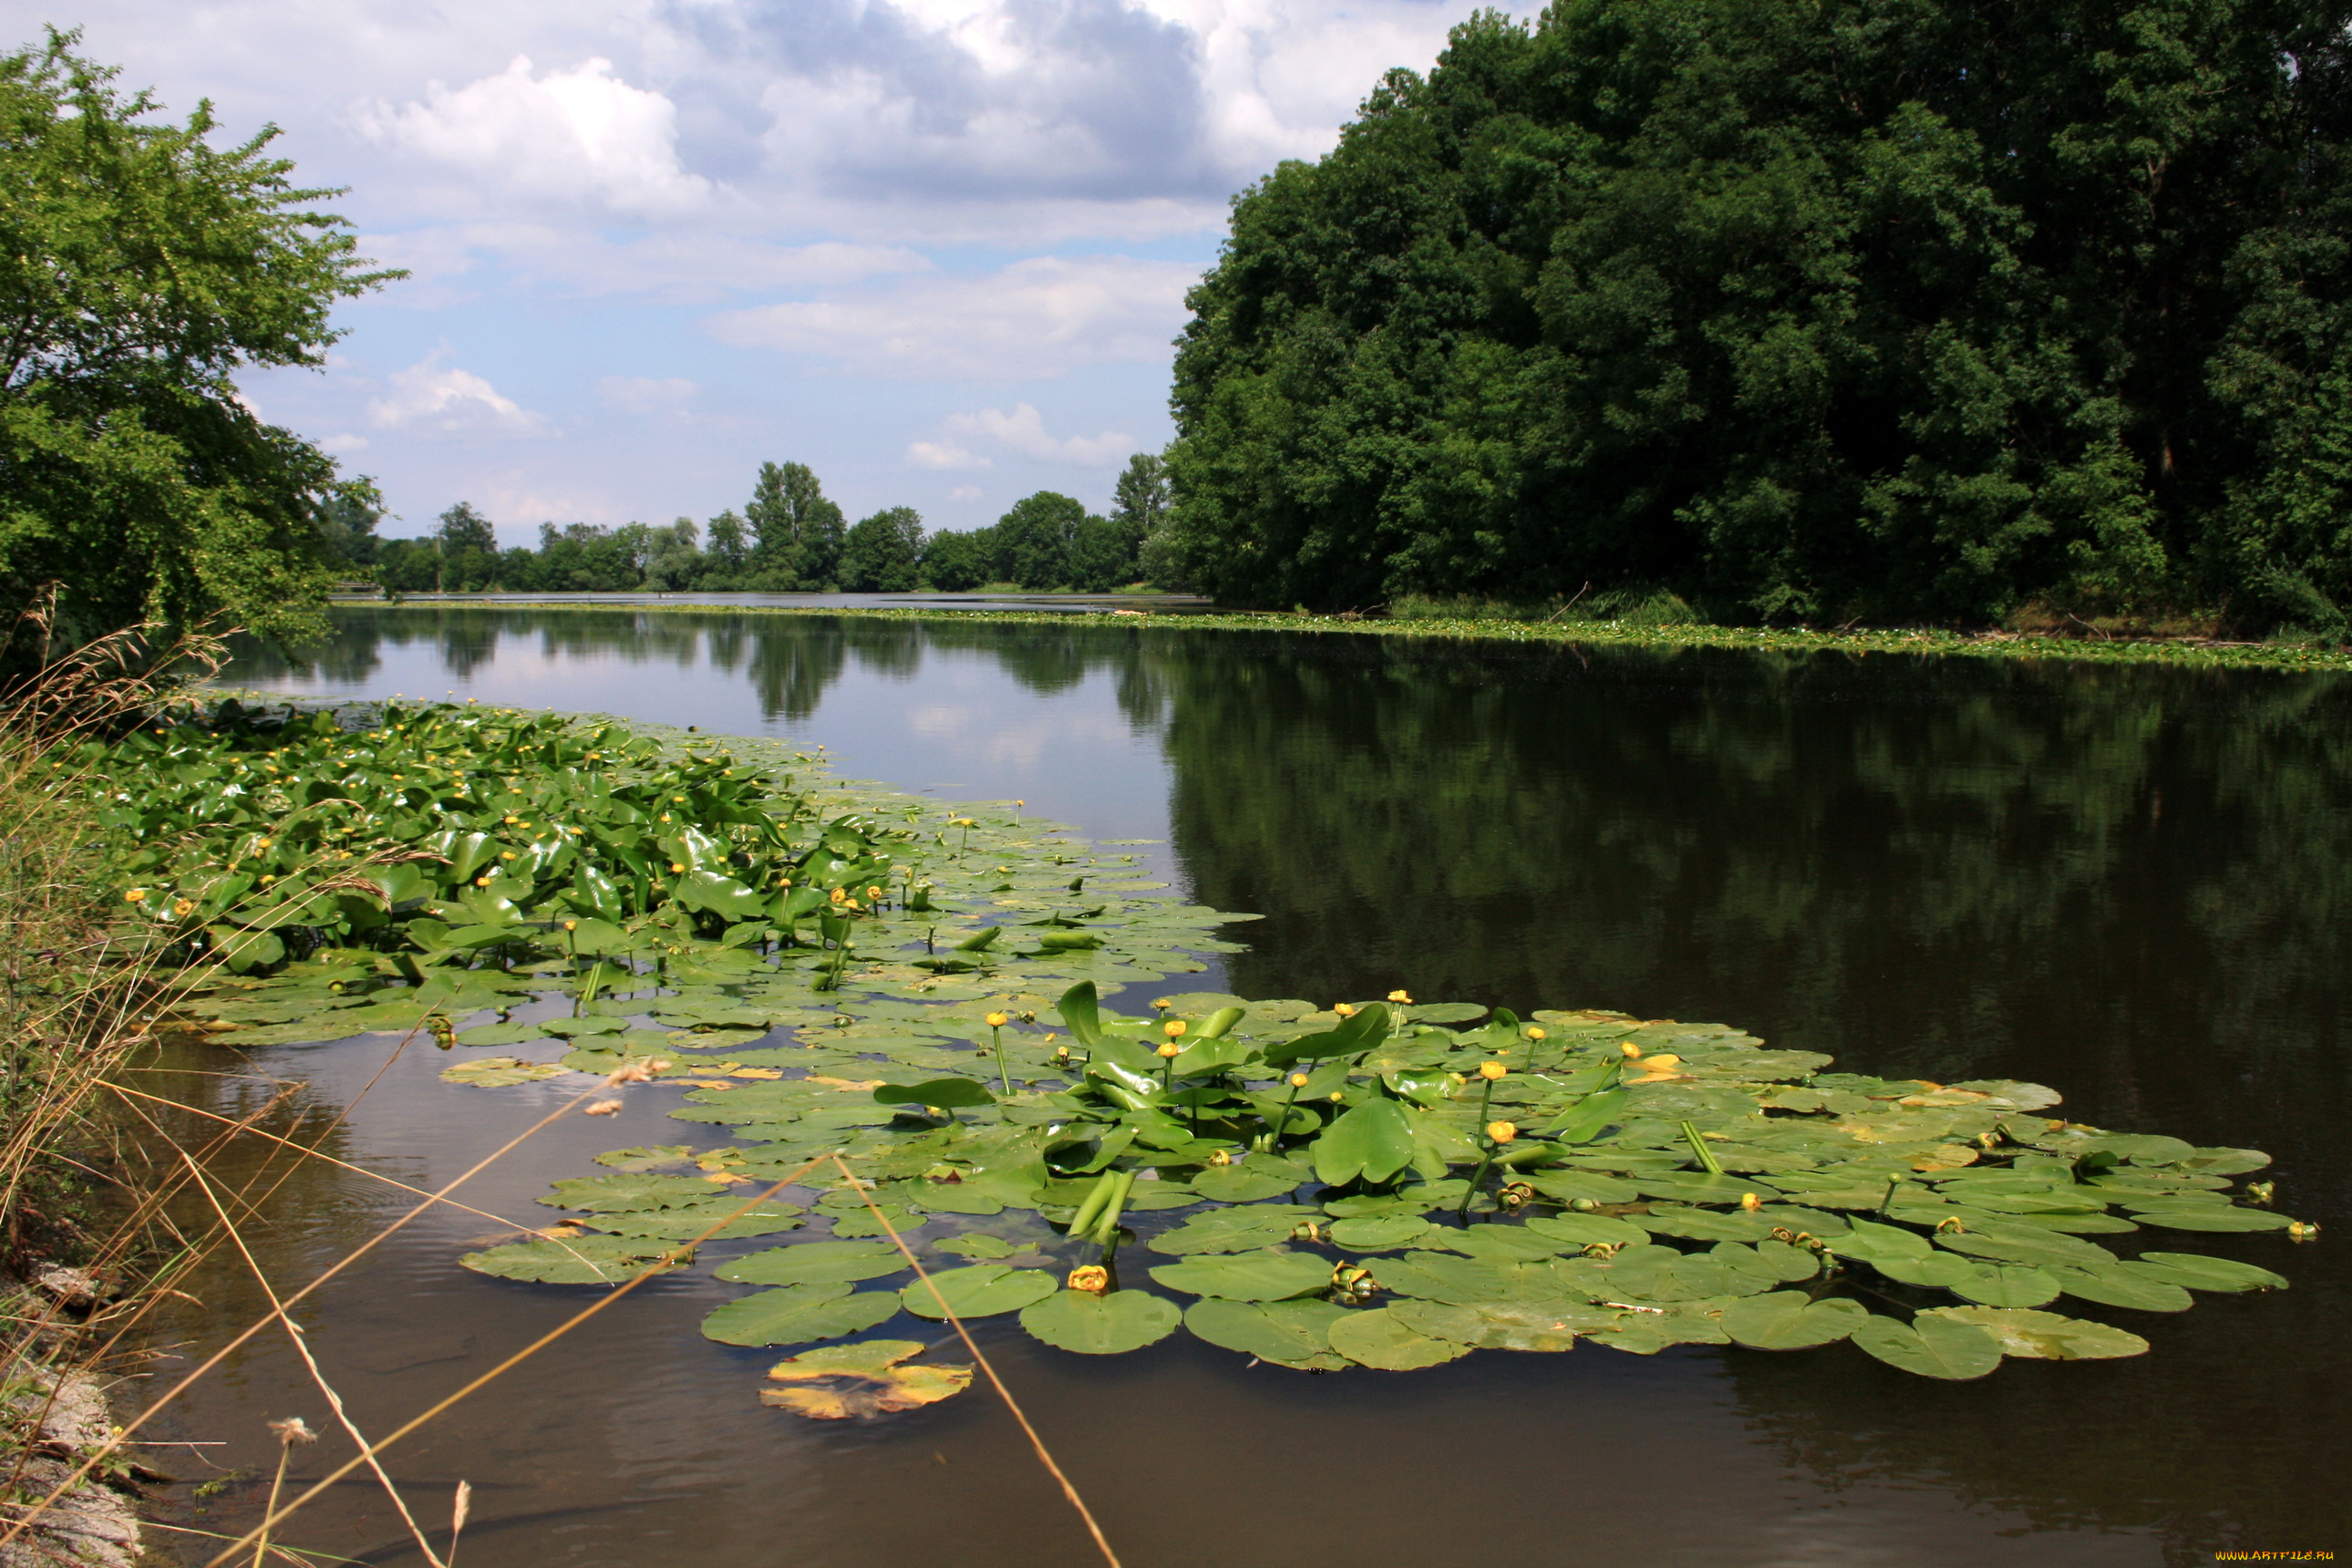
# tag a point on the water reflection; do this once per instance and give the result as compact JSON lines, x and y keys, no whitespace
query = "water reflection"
{"x":2132,"y":883}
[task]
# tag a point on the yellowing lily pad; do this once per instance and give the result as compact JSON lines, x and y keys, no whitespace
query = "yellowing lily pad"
{"x":2045,"y":1336}
{"x":501,"y":1072}
{"x":841,"y":1382}
{"x":579,"y":1260}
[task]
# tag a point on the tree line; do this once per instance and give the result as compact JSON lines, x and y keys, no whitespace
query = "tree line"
{"x":788,"y":538}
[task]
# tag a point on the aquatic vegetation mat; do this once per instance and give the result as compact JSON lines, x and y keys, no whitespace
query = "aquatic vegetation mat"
{"x":913,"y":994}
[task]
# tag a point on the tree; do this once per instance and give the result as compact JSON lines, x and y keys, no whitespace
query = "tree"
{"x":141,"y":267}
{"x":797,"y":533}
{"x":1103,"y":554}
{"x":1863,"y":309}
{"x":347,"y":523}
{"x":729,"y":550}
{"x":1141,"y":502}
{"x":957,"y":563}
{"x":1033,"y":540}
{"x":883,"y":553}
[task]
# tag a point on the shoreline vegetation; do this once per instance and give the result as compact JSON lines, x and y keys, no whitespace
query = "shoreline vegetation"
{"x":2092,"y":645}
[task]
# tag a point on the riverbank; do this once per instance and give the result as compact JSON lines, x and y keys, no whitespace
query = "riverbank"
{"x":2193,"y":653}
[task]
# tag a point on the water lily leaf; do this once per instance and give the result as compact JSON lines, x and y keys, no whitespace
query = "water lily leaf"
{"x":499,"y":1072}
{"x":799,"y":1314}
{"x":956,"y":1197}
{"x":1938,"y":1271}
{"x":1501,"y":1243}
{"x":1108,"y":1324}
{"x":688,"y":1221}
{"x":2200,"y":1273}
{"x":861,"y":1222}
{"x":650,"y":1157}
{"x":1268,"y":1275}
{"x":947,"y":1093}
{"x":1231,"y":1230}
{"x":2045,"y":1336}
{"x":2216,"y":1217}
{"x":581,"y":1261}
{"x":1373,"y":1141}
{"x":1378,"y":1337}
{"x":1258,"y":1177}
{"x":1788,"y":1320}
{"x":1580,"y":1230}
{"x":2113,"y":1287}
{"x":1931,"y":1347}
{"x":840,"y":1381}
{"x":501,"y":1035}
{"x":1381,"y":1233}
{"x":1701,"y":1188}
{"x":2006,"y":1285}
{"x":814,"y":1262}
{"x":1551,"y":1325}
{"x":2024,"y":1246}
{"x":976,"y":1244}
{"x":1287,"y":1333}
{"x":1566,"y":1186}
{"x":1702,"y":1225}
{"x":978,"y":1290}
{"x":625,"y":1192}
{"x":1774,"y":1260}
{"x":1443,"y":1277}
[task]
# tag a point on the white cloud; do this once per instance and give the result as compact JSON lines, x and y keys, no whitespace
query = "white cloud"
{"x":581,"y":136}
{"x":432,"y":396}
{"x":1036,"y":318}
{"x":645,"y":394}
{"x":964,"y":493}
{"x":943,"y":455}
{"x":689,"y":267}
{"x":1023,"y":430}
{"x":344,"y":444}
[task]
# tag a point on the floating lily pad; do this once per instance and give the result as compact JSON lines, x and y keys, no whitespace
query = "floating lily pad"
{"x":978,"y":1290}
{"x":501,"y":1072}
{"x":1101,"y":1325}
{"x":1788,"y":1320}
{"x":1551,"y":1325}
{"x":1442,"y":1277}
{"x":799,"y":1314}
{"x":1939,"y":1271}
{"x":2214,"y":1217}
{"x":816,"y":1262}
{"x":2200,"y":1273}
{"x":627,"y":1193}
{"x":1289,"y":1333}
{"x":689,"y":1222}
{"x":2045,"y":1336}
{"x":1931,"y":1346}
{"x":653,"y":1157}
{"x":976,"y":1244}
{"x":2006,"y":1285}
{"x":1380,"y":1339}
{"x":1268,"y":1275}
{"x":1500,"y":1243}
{"x":581,"y":1261}
{"x":1382,"y":1234}
{"x":1574,"y":1231}
{"x":1231,"y":1230}
{"x":868,"y":1378}
{"x":2112,"y":1285}
{"x":1254,"y":1179}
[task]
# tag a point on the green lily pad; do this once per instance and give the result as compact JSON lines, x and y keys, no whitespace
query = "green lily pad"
{"x":799,"y":1314}
{"x":650,"y":1158}
{"x":1268,"y":1275}
{"x":1702,"y":1225}
{"x":2021,"y":1247}
{"x":2006,"y":1285}
{"x":626,"y":1193}
{"x":976,"y":1244}
{"x":2114,"y":1286}
{"x":501,"y":1072}
{"x":1500,"y":1243}
{"x":688,"y":1222}
{"x":978,"y":1290}
{"x":2197,"y":1272}
{"x":2045,"y":1336}
{"x":1504,"y":1325}
{"x":1289,"y":1333}
{"x":861,"y":1222}
{"x":1257,"y":1178}
{"x":1378,"y":1337}
{"x":2215,"y":1217}
{"x":1788,"y":1320}
{"x":1939,"y":1271}
{"x":1931,"y":1347}
{"x":814,"y":1262}
{"x":1566,"y":1186}
{"x":1443,"y":1277}
{"x":1101,"y":1325}
{"x":1231,"y":1230}
{"x":582,"y":1260}
{"x":1382,"y":1234}
{"x":1580,"y":1230}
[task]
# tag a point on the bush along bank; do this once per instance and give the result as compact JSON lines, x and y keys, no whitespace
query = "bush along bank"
{"x":897,"y":1008}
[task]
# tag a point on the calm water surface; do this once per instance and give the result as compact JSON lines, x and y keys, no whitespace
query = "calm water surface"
{"x":2133,"y":884}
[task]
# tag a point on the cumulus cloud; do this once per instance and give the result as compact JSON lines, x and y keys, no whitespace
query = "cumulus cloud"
{"x":964,"y":493}
{"x":665,"y":265}
{"x":943,"y":455}
{"x":435,"y":396}
{"x":1036,"y":318}
{"x":1024,"y":431}
{"x":645,"y":394}
{"x":581,"y":136}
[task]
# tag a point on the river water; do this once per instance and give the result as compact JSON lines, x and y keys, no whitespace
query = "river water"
{"x":2133,"y":884}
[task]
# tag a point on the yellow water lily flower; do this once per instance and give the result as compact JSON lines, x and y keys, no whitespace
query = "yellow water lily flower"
{"x":1174,"y":1028}
{"x":1298,"y":1080}
{"x":998,"y":1020}
{"x":1502,"y":1132}
{"x":1093,"y":1279}
{"x":1399,"y":996}
{"x":1171,"y":1049}
{"x":1344,"y":1009}
{"x":1492,"y":1069}
{"x":135,"y":896}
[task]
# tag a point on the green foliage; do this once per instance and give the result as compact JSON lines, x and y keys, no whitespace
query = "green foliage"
{"x":883,"y":554}
{"x":1866,"y":310}
{"x":797,"y":534}
{"x":141,"y":267}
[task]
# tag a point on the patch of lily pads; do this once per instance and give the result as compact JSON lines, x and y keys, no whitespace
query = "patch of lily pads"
{"x":897,"y":1006}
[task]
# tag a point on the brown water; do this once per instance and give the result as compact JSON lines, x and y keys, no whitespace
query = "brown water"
{"x":2132,"y":884}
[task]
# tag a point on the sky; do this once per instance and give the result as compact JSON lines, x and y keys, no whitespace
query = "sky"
{"x":936,"y":250}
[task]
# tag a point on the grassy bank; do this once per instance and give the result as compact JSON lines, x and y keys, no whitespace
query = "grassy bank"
{"x":2091,"y":648}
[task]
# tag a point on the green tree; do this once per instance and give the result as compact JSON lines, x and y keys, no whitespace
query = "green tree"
{"x":469,"y":547}
{"x":1103,"y":554}
{"x":883,"y":554}
{"x":1032,"y":541}
{"x":729,"y":551}
{"x":141,"y":267}
{"x":347,"y":521}
{"x":958,"y":563}
{"x":796,"y":532}
{"x":674,"y":559}
{"x":1140,"y":504}
{"x":1863,"y":309}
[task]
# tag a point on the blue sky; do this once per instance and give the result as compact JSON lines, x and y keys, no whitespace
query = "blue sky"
{"x":936,"y":250}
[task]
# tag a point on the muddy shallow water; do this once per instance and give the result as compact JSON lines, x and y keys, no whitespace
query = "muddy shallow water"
{"x":2131,"y":884}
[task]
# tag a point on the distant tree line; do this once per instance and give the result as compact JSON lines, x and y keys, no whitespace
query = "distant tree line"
{"x":788,"y":538}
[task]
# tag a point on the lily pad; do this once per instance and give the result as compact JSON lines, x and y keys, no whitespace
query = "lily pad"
{"x":2006,"y":1285}
{"x":1939,"y":1271}
{"x":1931,"y":1346}
{"x":2115,"y":1285}
{"x":978,"y":1290}
{"x":2045,"y":1336}
{"x":1788,"y":1320}
{"x":1101,"y":1325}
{"x":1580,"y":1230}
{"x":976,"y":1244}
{"x":868,"y":1378}
{"x":1551,"y":1325}
{"x":1380,"y":1339}
{"x":581,"y":1261}
{"x":799,"y":1314}
{"x":2215,"y":1217}
{"x":814,"y":1262}
{"x":1289,"y":1333}
{"x":1383,"y":1233}
{"x":1254,"y":1179}
{"x":2197,"y":1272}
{"x":1231,"y":1230}
{"x":1267,"y":1275}
{"x":501,"y":1072}
{"x":627,"y":1193}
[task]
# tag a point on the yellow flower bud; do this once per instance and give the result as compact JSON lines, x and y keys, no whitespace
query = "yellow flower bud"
{"x":873,"y":892}
{"x":1750,"y":1202}
{"x":1171,"y":1049}
{"x":1631,"y":1050}
{"x":998,"y":1020}
{"x":1399,"y":995}
{"x":482,"y":881}
{"x":1174,"y":1028}
{"x":183,"y":908}
{"x":1502,"y":1132}
{"x":1093,"y":1279}
{"x":135,"y":896}
{"x":1335,"y":1097}
{"x":1536,"y":1033}
{"x":1492,"y":1069}
{"x":1343,"y":1009}
{"x":571,"y":925}
{"x":508,"y":855}
{"x":839,"y":894}
{"x":1298,"y":1080}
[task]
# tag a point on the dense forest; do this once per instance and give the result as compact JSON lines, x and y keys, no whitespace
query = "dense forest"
{"x":789,"y":537}
{"x":1865,"y":309}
